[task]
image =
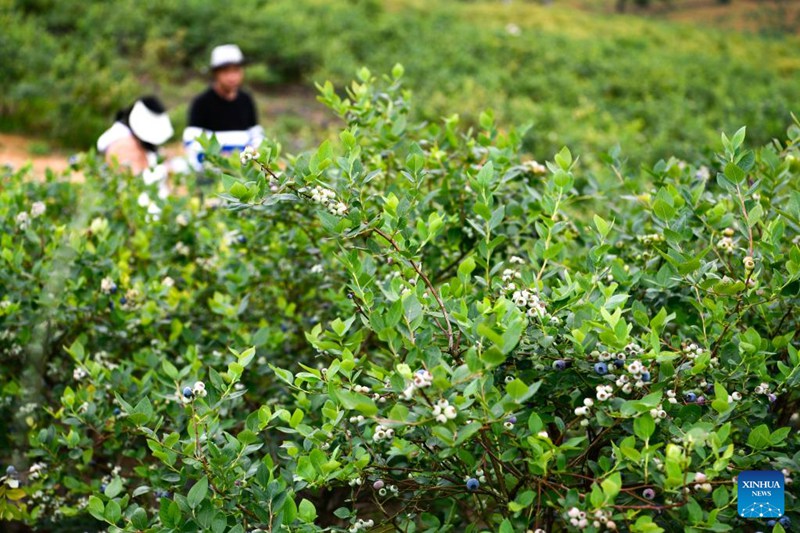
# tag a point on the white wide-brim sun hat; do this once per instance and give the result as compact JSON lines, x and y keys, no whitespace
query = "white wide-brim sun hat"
{"x":226,"y":54}
{"x":149,"y":126}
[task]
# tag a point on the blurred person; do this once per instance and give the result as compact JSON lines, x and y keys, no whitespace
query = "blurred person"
{"x":134,"y":138}
{"x":224,"y":109}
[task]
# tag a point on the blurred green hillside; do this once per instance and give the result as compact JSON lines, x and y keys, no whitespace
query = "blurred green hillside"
{"x":586,"y":80}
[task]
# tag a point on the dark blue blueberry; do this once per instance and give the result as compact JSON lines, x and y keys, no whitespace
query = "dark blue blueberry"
{"x":601,"y":368}
{"x":771,"y":523}
{"x":559,"y":364}
{"x":690,"y":397}
{"x":111,"y":305}
{"x":114,"y":289}
{"x":785,"y":521}
{"x":512,"y":419}
{"x":473,"y":484}
{"x":242,"y":239}
{"x":619,"y":363}
{"x":123,"y":300}
{"x":103,"y":487}
{"x":284,"y":328}
{"x":117,"y":411}
{"x":645,"y":376}
{"x":10,"y":471}
{"x":187,"y":392}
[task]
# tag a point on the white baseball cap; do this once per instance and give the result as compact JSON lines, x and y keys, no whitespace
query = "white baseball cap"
{"x":149,"y":121}
{"x":226,"y":54}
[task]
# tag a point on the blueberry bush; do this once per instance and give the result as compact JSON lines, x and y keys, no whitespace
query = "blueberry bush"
{"x":413,"y":327}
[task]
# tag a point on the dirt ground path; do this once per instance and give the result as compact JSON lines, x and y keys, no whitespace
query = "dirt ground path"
{"x":19,"y":150}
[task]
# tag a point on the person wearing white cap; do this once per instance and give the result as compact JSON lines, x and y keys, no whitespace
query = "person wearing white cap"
{"x":134,"y":138}
{"x":223,"y":109}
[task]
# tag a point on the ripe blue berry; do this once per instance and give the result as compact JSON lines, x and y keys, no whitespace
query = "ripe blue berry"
{"x":690,"y":397}
{"x":117,"y":411}
{"x":512,"y":419}
{"x":10,"y":471}
{"x":771,"y":523}
{"x":601,"y":368}
{"x":187,"y":392}
{"x":619,"y":363}
{"x":473,"y":484}
{"x":785,"y":521}
{"x":242,"y":239}
{"x":645,"y":376}
{"x":559,"y":364}
{"x":103,"y":487}
{"x":123,"y":300}
{"x":649,"y":493}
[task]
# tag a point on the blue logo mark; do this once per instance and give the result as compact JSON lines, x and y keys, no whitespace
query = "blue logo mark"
{"x":761,"y":494}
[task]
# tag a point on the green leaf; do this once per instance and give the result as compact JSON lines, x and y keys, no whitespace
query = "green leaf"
{"x":759,"y":437}
{"x":564,"y":158}
{"x":113,"y":512}
{"x":306,"y":511}
{"x":734,"y":173}
{"x":602,"y":226}
{"x":96,"y":507}
{"x":139,"y":518}
{"x":359,"y":402}
{"x":644,"y":426}
{"x":113,"y":488}
{"x":516,"y":389}
{"x":198,"y":492}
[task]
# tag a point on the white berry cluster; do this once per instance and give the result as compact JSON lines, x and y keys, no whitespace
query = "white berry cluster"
{"x":638,"y":371}
{"x":650,"y":238}
{"x":580,"y":520}
{"x":181,"y":248}
{"x":443,"y":411}
{"x":422,"y":378}
{"x":199,"y":389}
{"x":510,"y":274}
{"x":383,"y":491}
{"x":530,"y":301}
{"x":726,"y":243}
{"x":327,"y":198}
{"x":356,"y":419}
{"x":604,"y":392}
{"x":132,"y":297}
{"x":248,"y":154}
{"x":585,"y":410}
{"x":361,"y":524}
{"x":535,"y":166}
{"x":107,"y":285}
{"x":480,"y":475}
{"x":671,"y":397}
{"x":382,"y":432}
{"x":79,"y":373}
{"x":786,"y":476}
{"x":362,"y":389}
{"x":658,"y":413}
{"x":762,"y":389}
{"x":692,"y":351}
{"x":38,"y":209}
{"x":23,"y":220}
{"x":35,"y":471}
